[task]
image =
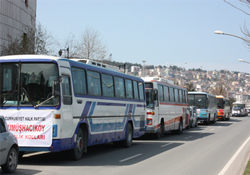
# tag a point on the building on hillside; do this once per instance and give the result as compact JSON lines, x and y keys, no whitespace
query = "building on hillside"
{"x":16,"y":17}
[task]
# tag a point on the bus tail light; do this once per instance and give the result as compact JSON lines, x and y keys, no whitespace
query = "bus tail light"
{"x":149,"y":121}
{"x":150,"y":113}
{"x":57,"y":116}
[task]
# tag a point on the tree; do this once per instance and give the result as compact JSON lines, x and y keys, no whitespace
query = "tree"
{"x":35,"y":41}
{"x":244,"y":28}
{"x":190,"y":87}
{"x":91,"y":47}
{"x":70,"y":43}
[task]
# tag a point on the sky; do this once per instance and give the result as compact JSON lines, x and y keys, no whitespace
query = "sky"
{"x":166,"y":32}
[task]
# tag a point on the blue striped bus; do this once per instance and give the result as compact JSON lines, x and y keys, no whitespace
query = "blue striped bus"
{"x":56,"y":104}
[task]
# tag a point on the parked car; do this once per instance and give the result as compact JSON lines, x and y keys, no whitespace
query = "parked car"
{"x":8,"y":148}
{"x":193,"y":117}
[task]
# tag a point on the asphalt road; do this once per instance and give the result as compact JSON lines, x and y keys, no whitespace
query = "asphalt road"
{"x":220,"y":148}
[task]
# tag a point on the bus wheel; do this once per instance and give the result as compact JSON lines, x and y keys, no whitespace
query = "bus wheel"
{"x":77,"y":152}
{"x":180,"y":129}
{"x":196,"y":123}
{"x":214,"y":120}
{"x":208,"y":120}
{"x":160,"y":134}
{"x":228,"y":116}
{"x":129,"y":136}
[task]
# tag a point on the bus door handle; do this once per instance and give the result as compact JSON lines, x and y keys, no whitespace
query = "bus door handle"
{"x":79,"y":101}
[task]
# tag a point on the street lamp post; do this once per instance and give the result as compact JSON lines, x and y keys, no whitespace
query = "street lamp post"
{"x":240,"y":60}
{"x":143,"y":67}
{"x":60,"y":52}
{"x":222,"y":33}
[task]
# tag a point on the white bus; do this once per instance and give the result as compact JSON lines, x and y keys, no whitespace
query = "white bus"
{"x":206,"y":106}
{"x":56,"y":104}
{"x":223,"y":108}
{"x":239,"y":109}
{"x":167,"y":106}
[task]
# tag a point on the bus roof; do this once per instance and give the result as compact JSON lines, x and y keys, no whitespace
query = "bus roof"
{"x":204,"y":93}
{"x":32,"y":57}
{"x":159,"y":80}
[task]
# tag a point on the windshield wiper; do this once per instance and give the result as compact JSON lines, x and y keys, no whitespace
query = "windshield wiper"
{"x":30,"y":99}
{"x":44,"y":101}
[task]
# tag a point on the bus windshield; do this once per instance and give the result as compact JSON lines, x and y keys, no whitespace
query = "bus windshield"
{"x":149,"y":98}
{"x":220,"y":103}
{"x":27,"y":84}
{"x":239,"y":106}
{"x":197,"y":100}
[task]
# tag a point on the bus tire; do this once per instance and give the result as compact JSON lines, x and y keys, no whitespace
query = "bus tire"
{"x":160,"y":134}
{"x":129,"y":137}
{"x":196,"y":123}
{"x":214,"y":120}
{"x":208,"y":120}
{"x":228,"y":117}
{"x":76,"y":153}
{"x":180,"y":129}
{"x":188,"y":126}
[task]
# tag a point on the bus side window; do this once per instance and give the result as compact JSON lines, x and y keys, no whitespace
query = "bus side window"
{"x":129,"y":89}
{"x":135,"y":85}
{"x":107,"y":85}
{"x":141,"y":91}
{"x":160,"y":91}
{"x":119,"y":87}
{"x":79,"y":81}
{"x":66,"y":90}
{"x":94,"y":83}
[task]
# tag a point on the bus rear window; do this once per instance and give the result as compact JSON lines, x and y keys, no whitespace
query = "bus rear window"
{"x":148,"y":85}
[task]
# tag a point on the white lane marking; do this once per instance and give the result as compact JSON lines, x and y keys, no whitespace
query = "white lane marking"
{"x":219,"y":127}
{"x":234,"y":157}
{"x":211,"y":129}
{"x":166,"y":144}
{"x":130,"y":157}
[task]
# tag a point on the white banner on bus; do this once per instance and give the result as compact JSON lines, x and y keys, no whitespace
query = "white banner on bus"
{"x":31,"y":128}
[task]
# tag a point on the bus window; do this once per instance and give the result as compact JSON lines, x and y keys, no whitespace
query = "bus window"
{"x":94,"y":84}
{"x":141,"y":91}
{"x":171,"y":92}
{"x":129,"y":89}
{"x":176,"y":95}
{"x":160,"y":91}
{"x":166,"y":93}
{"x":79,"y":81}
{"x":66,"y":90}
{"x":180,"y":95}
{"x":107,"y":85}
{"x":135,"y":85}
{"x":119,"y":87}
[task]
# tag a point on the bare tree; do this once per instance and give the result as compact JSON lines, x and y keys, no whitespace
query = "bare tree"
{"x":91,"y":47}
{"x":35,"y":41}
{"x":72,"y":44}
{"x":244,"y":29}
{"x":190,"y":87}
